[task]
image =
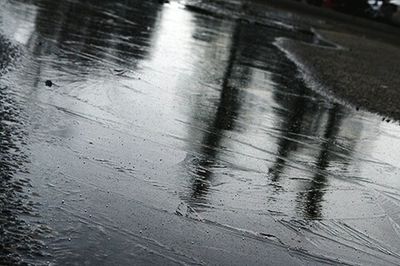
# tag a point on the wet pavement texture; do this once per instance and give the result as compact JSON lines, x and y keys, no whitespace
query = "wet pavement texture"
{"x":175,"y":134}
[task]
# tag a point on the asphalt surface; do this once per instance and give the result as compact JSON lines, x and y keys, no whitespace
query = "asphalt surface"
{"x":362,"y":70}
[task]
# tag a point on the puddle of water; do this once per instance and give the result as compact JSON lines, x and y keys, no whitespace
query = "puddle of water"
{"x":169,"y":131}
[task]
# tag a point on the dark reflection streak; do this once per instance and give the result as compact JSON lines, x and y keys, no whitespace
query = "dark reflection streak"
{"x":71,"y":40}
{"x":315,"y":193}
{"x":227,"y":110}
{"x":84,"y":38}
{"x":300,"y":113}
{"x":293,"y":124}
{"x":88,"y":33}
{"x":303,"y":116}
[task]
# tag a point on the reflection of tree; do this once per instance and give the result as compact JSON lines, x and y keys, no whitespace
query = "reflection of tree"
{"x":224,"y":119}
{"x":298,"y":114}
{"x":305,"y":118}
{"x":301,"y":117}
{"x":319,"y":182}
{"x":99,"y":29}
{"x":292,"y":124}
{"x":81,"y":35}
{"x":111,"y":34}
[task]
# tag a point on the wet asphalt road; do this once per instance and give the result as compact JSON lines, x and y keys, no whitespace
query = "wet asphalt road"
{"x":173,"y":135}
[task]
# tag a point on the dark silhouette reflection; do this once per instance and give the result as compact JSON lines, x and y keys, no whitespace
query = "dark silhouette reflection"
{"x":292,"y":125}
{"x":302,"y":119}
{"x":315,"y":192}
{"x":299,"y":114}
{"x":70,"y":39}
{"x":250,"y":48}
{"x":19,"y":244}
{"x":115,"y":31}
{"x":89,"y":36}
{"x":224,"y":119}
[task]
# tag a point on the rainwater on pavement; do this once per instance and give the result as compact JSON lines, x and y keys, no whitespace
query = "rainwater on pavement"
{"x":173,"y":134}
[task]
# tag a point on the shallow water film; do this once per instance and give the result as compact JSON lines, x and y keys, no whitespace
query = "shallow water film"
{"x":139,"y":132}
